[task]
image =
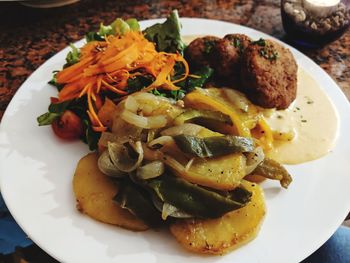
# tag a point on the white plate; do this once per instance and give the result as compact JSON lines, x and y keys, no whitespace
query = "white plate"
{"x":36,"y":171}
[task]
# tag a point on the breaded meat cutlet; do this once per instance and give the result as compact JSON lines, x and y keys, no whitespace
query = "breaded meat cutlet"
{"x":226,"y":57}
{"x":198,"y":51}
{"x":269,"y":74}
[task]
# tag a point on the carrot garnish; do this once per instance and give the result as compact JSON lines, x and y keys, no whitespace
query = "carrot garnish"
{"x":108,"y":65}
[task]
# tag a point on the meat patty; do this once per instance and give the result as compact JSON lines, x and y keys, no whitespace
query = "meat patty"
{"x":226,"y":56}
{"x":199,"y":50}
{"x":239,"y":40}
{"x":269,"y":74}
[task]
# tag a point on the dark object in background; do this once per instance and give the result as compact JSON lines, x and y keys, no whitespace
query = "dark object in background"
{"x":336,"y":249}
{"x":31,"y":254}
{"x":48,"y":3}
{"x":311,"y":27}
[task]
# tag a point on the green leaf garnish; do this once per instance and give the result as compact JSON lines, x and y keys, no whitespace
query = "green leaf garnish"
{"x":167,"y":35}
{"x":73,"y":56}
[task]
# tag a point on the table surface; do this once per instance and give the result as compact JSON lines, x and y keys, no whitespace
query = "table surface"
{"x":31,"y":36}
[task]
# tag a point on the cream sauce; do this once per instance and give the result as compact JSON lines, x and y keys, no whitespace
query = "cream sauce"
{"x":313,"y":119}
{"x":189,"y":38}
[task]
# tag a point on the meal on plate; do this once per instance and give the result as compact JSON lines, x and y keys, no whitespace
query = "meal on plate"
{"x":182,"y":134}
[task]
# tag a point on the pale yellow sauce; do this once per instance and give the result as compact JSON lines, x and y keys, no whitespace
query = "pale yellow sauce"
{"x":188,"y":38}
{"x":313,"y":119}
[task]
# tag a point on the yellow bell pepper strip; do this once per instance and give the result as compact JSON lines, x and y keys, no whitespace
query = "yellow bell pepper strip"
{"x":201,"y":100}
{"x":267,"y":138}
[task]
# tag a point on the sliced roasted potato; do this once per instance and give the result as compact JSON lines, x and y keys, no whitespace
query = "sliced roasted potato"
{"x":94,"y":192}
{"x":152,"y":105}
{"x":222,"y":173}
{"x":218,"y":236}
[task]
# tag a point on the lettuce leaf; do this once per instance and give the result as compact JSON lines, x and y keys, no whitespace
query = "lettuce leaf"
{"x":54,"y":82}
{"x":202,"y":76}
{"x":117,"y":27}
{"x":167,"y":35}
{"x":73,"y":56}
{"x":55,"y":111}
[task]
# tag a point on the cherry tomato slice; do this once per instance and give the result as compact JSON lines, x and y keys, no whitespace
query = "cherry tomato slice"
{"x":68,"y":126}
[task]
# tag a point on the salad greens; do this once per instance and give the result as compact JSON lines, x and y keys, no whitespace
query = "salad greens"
{"x":117,"y":27}
{"x":198,"y":79}
{"x":73,"y":56}
{"x":166,"y":37}
{"x":55,"y":110}
{"x":54,"y":82}
{"x":47,"y":118}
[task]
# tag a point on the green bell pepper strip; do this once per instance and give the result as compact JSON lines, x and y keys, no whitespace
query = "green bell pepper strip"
{"x":273,"y":170}
{"x":195,"y":200}
{"x":136,"y":200}
{"x":213,"y":146}
{"x":202,"y":117}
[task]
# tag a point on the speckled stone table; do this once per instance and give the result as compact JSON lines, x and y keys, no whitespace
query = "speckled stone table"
{"x":28,"y":37}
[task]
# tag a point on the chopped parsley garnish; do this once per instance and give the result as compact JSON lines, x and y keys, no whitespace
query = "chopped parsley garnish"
{"x":308,"y":100}
{"x":268,"y":53}
{"x":208,"y":46}
{"x":236,"y":42}
{"x":261,"y":42}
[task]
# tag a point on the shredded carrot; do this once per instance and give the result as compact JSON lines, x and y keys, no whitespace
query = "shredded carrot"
{"x":107,"y":66}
